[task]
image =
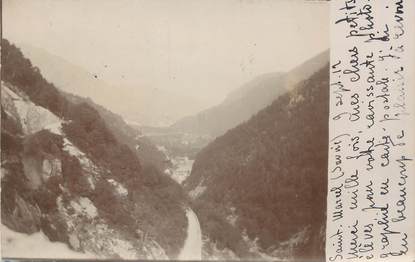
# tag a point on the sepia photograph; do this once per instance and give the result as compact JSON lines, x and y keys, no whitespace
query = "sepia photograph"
{"x":164,"y":130}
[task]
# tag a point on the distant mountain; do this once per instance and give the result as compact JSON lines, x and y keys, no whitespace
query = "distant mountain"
{"x":141,"y":104}
{"x":260,"y":189}
{"x":74,"y":80}
{"x":247,"y":100}
{"x":66,"y":173}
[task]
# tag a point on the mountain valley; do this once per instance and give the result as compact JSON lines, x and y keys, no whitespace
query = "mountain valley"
{"x":221,"y":184}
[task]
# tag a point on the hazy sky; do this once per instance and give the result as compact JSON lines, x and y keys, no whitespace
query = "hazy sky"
{"x":203,"y":48}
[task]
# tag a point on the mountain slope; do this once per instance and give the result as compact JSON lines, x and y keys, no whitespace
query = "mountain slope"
{"x":266,"y":178}
{"x":142,"y":104}
{"x":247,"y":100}
{"x":65,"y":173}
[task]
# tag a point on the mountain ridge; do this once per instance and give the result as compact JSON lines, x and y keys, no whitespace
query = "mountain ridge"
{"x":249,"y":99}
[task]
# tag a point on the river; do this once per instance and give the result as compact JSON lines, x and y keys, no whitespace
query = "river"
{"x":192,"y":249}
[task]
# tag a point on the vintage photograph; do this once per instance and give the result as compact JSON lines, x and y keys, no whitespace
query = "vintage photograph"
{"x":153,"y":129}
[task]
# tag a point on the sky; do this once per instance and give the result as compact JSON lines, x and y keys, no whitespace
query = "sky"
{"x":201,"y":48}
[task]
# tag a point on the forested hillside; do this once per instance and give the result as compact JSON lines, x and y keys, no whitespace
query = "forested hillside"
{"x":146,"y":151}
{"x":66,"y":173}
{"x":262,"y":185}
